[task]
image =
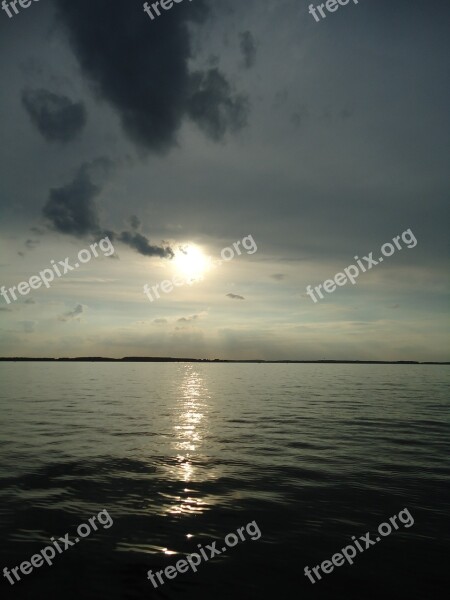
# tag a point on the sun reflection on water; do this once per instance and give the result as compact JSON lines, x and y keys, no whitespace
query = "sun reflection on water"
{"x":190,"y":427}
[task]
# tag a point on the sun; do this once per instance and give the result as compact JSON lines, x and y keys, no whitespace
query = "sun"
{"x":190,"y":262}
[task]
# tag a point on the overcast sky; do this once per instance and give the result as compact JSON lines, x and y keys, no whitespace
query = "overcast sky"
{"x":216,"y":121}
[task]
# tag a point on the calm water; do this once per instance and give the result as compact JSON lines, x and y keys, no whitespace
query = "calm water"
{"x":313,"y":453}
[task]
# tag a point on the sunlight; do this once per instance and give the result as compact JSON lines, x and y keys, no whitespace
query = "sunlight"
{"x":190,"y":262}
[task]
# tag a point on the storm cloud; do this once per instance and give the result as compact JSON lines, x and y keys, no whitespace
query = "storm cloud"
{"x":56,"y":117}
{"x":71,"y":209}
{"x":214,"y":107}
{"x":141,"y":69}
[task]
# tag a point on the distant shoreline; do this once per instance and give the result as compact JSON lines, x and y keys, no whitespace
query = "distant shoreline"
{"x":218,"y":360}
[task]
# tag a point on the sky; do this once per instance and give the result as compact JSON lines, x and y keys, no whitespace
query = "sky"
{"x":305,"y":143}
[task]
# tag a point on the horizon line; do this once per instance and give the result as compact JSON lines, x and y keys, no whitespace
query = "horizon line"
{"x":214,"y":360}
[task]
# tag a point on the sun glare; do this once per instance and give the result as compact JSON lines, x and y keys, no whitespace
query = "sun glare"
{"x":190,"y":262}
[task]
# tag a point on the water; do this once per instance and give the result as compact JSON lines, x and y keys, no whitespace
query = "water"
{"x":313,"y":453}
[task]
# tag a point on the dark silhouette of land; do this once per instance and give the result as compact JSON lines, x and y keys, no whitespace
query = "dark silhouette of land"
{"x":216,"y":360}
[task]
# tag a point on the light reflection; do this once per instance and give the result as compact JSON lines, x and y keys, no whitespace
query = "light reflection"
{"x":191,"y":425}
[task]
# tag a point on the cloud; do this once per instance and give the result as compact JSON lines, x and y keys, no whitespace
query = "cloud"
{"x":55,"y":116}
{"x":141,"y":68}
{"x":71,"y":210}
{"x":188,"y":319}
{"x":213,"y":107}
{"x":5,"y":309}
{"x":278,"y":276}
{"x":135,"y":223}
{"x":159,"y":321}
{"x":73,"y":314}
{"x":29,"y":301}
{"x":235,"y":297}
{"x":248,"y":49}
{"x":31,"y":244}
{"x":140,"y":243}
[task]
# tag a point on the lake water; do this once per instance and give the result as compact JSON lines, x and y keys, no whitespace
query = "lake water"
{"x":182,"y":454}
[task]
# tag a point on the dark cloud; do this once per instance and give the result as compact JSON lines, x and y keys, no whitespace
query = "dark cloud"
{"x":248,"y":49}
{"x":56,"y":117}
{"x":4,"y":309}
{"x":29,"y":301}
{"x":160,"y":321}
{"x":278,"y":276}
{"x":235,"y":297}
{"x":141,"y":67}
{"x":140,"y":243}
{"x":213,"y":106}
{"x":71,"y":210}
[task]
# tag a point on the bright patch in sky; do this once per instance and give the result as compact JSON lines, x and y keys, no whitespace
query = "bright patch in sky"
{"x":190,"y":262}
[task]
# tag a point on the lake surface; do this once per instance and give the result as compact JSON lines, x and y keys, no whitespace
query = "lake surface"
{"x":182,"y":454}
